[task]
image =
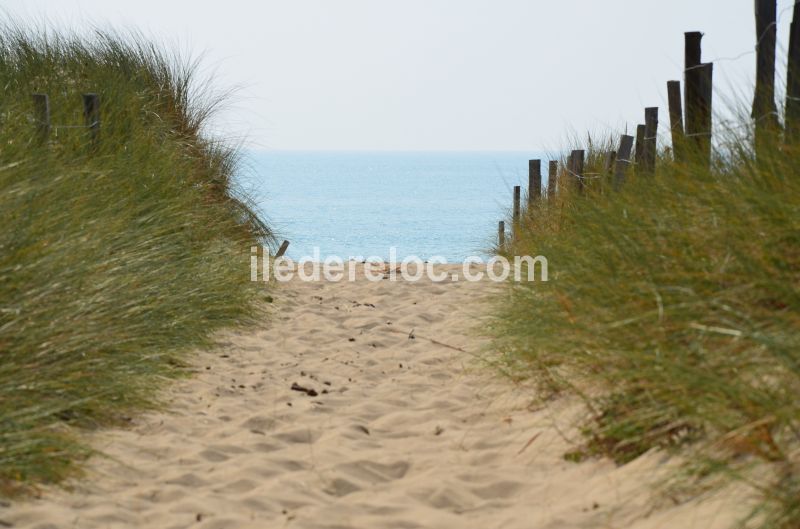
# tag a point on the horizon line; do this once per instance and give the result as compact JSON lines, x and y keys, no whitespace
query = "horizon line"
{"x":459,"y":151}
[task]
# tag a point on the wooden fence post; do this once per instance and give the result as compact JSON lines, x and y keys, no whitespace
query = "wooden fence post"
{"x":793,"y":80}
{"x":650,"y":139}
{"x":698,"y":94}
{"x":638,"y":154}
{"x":282,"y":249}
{"x":501,"y":235}
{"x":699,"y":84}
{"x":676,"y":118}
{"x":91,"y":114}
{"x":41,"y":108}
{"x":623,"y":160}
{"x":552,"y":179}
{"x":608,"y":164}
{"x":692,"y":53}
{"x":534,"y":181}
{"x":578,"y":161}
{"x":765,"y":113}
{"x":516,"y":213}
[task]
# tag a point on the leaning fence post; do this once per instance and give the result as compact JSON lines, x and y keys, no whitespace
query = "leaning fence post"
{"x":793,"y":80}
{"x":552,"y":179}
{"x":638,"y":154}
{"x":91,"y":114}
{"x":282,"y":249}
{"x":41,"y":107}
{"x":764,"y":111}
{"x":501,"y":235}
{"x":650,"y":139}
{"x":676,"y":118}
{"x":534,"y":181}
{"x":578,"y":157}
{"x":623,"y":160}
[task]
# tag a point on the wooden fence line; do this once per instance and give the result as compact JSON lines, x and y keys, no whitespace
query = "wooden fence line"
{"x":91,"y":117}
{"x":691,"y":111}
{"x":690,"y":122}
{"x":43,"y":120}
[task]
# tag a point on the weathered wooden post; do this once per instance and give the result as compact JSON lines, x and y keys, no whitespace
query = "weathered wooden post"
{"x":638,"y":155}
{"x":765,"y":113}
{"x":650,"y":140}
{"x":693,"y":51}
{"x":578,"y":160}
{"x":282,"y":249}
{"x":698,"y":92}
{"x":693,"y":54}
{"x":699,"y":109}
{"x":516,"y":213}
{"x":501,"y":235}
{"x":793,"y":80}
{"x":534,"y":181}
{"x":608,"y":164}
{"x":623,"y":160}
{"x":676,"y":118}
{"x":91,"y":115}
{"x":552,"y":179}
{"x":41,"y":109}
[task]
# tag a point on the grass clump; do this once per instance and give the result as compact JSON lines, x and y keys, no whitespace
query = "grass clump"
{"x":116,"y":257}
{"x":673,"y":307}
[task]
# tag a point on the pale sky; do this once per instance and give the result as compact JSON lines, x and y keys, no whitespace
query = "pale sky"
{"x":434,"y":74}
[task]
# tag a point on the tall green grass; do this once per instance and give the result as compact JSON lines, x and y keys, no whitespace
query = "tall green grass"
{"x":673,"y":308}
{"x":116,"y":259}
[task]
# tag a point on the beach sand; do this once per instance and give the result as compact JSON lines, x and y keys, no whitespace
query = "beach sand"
{"x":400,"y":426}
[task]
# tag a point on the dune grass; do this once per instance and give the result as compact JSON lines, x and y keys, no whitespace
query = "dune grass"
{"x":673,"y":308}
{"x":116,"y":258}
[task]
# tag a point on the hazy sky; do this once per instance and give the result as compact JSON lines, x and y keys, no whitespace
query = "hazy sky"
{"x":434,"y":74}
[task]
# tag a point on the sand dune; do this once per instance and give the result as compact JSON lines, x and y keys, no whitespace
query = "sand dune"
{"x":384,"y":428}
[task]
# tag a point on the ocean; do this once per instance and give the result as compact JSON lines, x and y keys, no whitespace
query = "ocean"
{"x":361,"y":204}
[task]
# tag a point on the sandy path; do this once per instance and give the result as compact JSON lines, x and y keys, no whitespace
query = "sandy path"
{"x":402,"y":433}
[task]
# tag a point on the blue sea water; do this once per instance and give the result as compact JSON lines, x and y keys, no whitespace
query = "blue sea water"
{"x":360,"y":204}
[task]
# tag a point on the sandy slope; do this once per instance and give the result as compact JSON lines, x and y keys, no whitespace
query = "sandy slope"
{"x":402,"y":433}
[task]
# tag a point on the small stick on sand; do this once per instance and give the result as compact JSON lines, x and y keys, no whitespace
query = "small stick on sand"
{"x":436,"y":342}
